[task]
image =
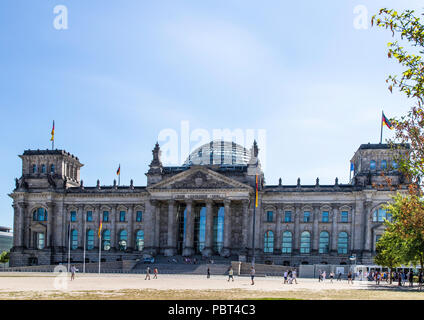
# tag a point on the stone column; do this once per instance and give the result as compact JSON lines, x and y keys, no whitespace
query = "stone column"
{"x":50,"y":224}
{"x":226,"y":250}
{"x":334,"y":222}
{"x":188,"y":249}
{"x":208,"y":250}
{"x":81,"y":223}
{"x":156,"y":244}
{"x":149,"y":231}
{"x":171,"y":241}
{"x":245,"y":222}
{"x":113,"y":237}
{"x":17,"y":225}
{"x":352,"y":229}
{"x":27,"y":228}
{"x":97,"y":218}
{"x":277,"y":237}
{"x":315,"y":235}
{"x":130,"y":224}
{"x":296,"y":236}
{"x":367,"y":207}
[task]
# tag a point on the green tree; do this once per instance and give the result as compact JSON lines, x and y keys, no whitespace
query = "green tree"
{"x":389,"y":251}
{"x":4,"y":257}
{"x":408,"y":50}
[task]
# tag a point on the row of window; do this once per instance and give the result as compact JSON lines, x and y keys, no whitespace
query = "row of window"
{"x":43,"y":168}
{"x":305,"y":242}
{"x":40,"y":214}
{"x":325,"y":216}
{"x":383,"y":165}
{"x":106,"y":243}
{"x":106,"y":216}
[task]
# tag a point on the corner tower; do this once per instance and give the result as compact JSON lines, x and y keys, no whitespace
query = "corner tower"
{"x":54,"y":169}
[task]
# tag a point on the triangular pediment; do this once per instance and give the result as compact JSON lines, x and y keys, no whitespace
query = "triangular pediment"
{"x":199,"y":178}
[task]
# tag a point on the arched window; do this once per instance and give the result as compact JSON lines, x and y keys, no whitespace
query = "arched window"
{"x":52,"y":168}
{"x":34,"y":168}
{"x":39,"y":214}
{"x":74,"y":239}
{"x":123,"y":240}
{"x":324,"y":242}
{"x":305,"y":242}
{"x":43,"y":168}
{"x":139,"y":240}
{"x":106,"y":240}
{"x":287,"y":242}
{"x":342,"y":243}
{"x":90,"y":239}
{"x":383,"y":165}
{"x":269,"y":242}
{"x":372,"y":165}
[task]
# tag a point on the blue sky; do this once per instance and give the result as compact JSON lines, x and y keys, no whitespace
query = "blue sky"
{"x":123,"y":71}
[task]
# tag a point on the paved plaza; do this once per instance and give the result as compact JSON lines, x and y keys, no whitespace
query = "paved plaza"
{"x":132,"y":286}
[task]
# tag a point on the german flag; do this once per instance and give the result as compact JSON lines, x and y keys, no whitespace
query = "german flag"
{"x":52,"y":138}
{"x":100,"y":228}
{"x":118,"y":172}
{"x":387,"y":122}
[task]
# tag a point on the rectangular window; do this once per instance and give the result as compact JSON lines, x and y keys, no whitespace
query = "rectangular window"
{"x":269,"y":216}
{"x":325,"y":216}
{"x":306,"y":216}
{"x":139,"y":216}
{"x":105,"y":216}
{"x":89,"y":216}
{"x":73,"y":216}
{"x":287,"y":216}
{"x":122,"y":216}
{"x":344,"y":216}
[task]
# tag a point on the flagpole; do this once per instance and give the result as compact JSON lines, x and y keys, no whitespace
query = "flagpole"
{"x":100,"y":249}
{"x":119,"y":176}
{"x":69,"y":246}
{"x":85,"y":239}
{"x":381,"y":133}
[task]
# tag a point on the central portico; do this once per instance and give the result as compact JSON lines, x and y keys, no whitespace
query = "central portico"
{"x":202,"y":213}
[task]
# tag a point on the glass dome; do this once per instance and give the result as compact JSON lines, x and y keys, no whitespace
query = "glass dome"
{"x":219,"y":152}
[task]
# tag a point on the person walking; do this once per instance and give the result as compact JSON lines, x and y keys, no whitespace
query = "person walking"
{"x":331,"y":276}
{"x":73,"y":270}
{"x":252,"y":275}
{"x":420,"y":280}
{"x":230,"y":274}
{"x":208,"y":273}
{"x":147,"y":273}
{"x":294,"y":275}
{"x":324,"y":274}
{"x":319,"y":275}
{"x":285,"y":277}
{"x":411,"y":278}
{"x":155,"y":272}
{"x":349,"y":278}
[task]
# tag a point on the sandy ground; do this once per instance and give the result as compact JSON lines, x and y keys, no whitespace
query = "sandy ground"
{"x":119,"y":286}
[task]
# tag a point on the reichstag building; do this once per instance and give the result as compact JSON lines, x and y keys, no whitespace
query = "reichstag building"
{"x":205,"y":207}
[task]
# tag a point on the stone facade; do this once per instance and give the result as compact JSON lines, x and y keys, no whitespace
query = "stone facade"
{"x":206,"y":209}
